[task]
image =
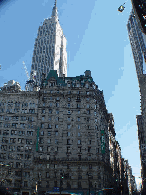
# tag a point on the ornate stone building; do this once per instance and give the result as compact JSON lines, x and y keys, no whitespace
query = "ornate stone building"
{"x":60,"y":129}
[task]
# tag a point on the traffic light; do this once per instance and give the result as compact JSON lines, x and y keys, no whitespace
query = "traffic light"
{"x":61,"y":175}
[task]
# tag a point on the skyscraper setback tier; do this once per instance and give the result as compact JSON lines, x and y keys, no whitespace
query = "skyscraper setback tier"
{"x":49,"y":49}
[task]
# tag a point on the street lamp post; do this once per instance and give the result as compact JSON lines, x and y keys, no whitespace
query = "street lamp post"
{"x":61,"y":177}
{"x":89,"y":182}
{"x":95,"y":186}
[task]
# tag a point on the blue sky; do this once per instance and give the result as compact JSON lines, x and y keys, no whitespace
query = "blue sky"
{"x":97,"y":40}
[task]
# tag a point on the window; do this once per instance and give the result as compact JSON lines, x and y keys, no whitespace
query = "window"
{"x":69,"y":99}
{"x":79,"y":141}
{"x":43,"y":118}
{"x":78,"y":105}
{"x":69,"y":119}
{"x":57,"y":98}
{"x":49,"y":119}
{"x":68,"y":141}
{"x":78,"y":92}
{"x":88,"y":106}
{"x":56,"y":133}
{"x":88,"y":111}
{"x":43,"y":111}
{"x":89,"y":149}
{"x":87,"y":92}
{"x":68,"y":84}
{"x":31,"y":111}
{"x":42,"y":126}
{"x":41,"y":148}
{"x":56,"y":141}
{"x":42,"y":132}
{"x":68,"y":133}
{"x":69,"y":92}
{"x":25,"y":184}
{"x":68,"y":105}
{"x":89,"y":142}
{"x":57,"y":118}
{"x":48,"y":148}
{"x":78,"y":119}
{"x":56,"y":126}
{"x":68,"y":149}
{"x":57,"y":104}
{"x":50,"y":104}
{"x":50,"y":111}
{"x":49,"y":141}
{"x":79,"y":134}
{"x":49,"y":133}
{"x":78,"y":111}
{"x":68,"y":126}
{"x":47,"y":174}
{"x":49,"y":126}
{"x":57,"y":111}
{"x":69,"y":112}
{"x":79,"y":127}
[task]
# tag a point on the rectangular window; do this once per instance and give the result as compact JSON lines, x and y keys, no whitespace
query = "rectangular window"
{"x":69,"y":99}
{"x":79,"y":134}
{"x":69,"y":119}
{"x":56,"y":126}
{"x":79,"y":127}
{"x":89,"y":149}
{"x":56,"y":141}
{"x":57,"y":104}
{"x":78,"y":119}
{"x":68,"y":133}
{"x":78,"y":105}
{"x":79,"y":141}
{"x":88,"y":111}
{"x":68,"y":149}
{"x":68,"y":126}
{"x":56,"y":133}
{"x":57,"y":118}
{"x":42,"y":132}
{"x":57,"y":111}
{"x":68,"y":141}
{"x":47,"y":174}
{"x":42,"y":126}
{"x":48,"y":148}
{"x":49,"y":133}
{"x":43,"y":111}
{"x":49,"y":126}
{"x":50,"y":111}
{"x":68,"y":105}
{"x":49,"y":141}
{"x":88,"y":106}
{"x":69,"y":112}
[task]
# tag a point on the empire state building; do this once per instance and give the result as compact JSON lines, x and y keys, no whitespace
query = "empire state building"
{"x":49,"y":49}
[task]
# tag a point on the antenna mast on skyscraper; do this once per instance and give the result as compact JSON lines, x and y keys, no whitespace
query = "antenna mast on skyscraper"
{"x":26,"y":70}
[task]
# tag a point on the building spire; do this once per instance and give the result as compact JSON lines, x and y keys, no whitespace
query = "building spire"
{"x":54,"y":11}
